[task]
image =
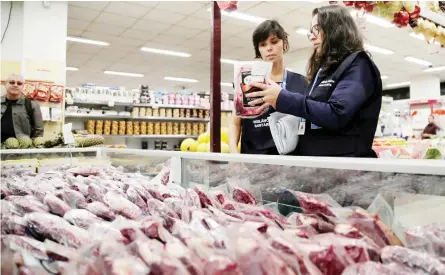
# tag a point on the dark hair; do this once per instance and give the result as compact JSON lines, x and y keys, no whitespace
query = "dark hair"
{"x":341,"y":37}
{"x":264,"y":30}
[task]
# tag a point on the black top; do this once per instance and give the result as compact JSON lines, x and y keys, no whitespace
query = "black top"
{"x":7,"y":124}
{"x":342,"y":110}
{"x":256,"y":137}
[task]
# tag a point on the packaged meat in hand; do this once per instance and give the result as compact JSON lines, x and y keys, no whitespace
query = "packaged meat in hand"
{"x":417,"y":262}
{"x":246,"y":73}
{"x":47,"y":226}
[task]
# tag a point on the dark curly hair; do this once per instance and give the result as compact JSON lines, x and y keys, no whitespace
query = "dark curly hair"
{"x":264,"y":30}
{"x":341,"y":37}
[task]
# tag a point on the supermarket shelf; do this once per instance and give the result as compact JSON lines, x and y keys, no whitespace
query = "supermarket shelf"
{"x":169,"y":106}
{"x":81,"y":102}
{"x":151,"y":136}
{"x":179,"y":119}
{"x":48,"y":150}
{"x":153,"y":118}
{"x":74,"y":115}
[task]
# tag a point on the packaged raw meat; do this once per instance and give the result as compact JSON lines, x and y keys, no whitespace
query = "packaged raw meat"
{"x":59,"y":252}
{"x":27,"y":204}
{"x":373,"y":268}
{"x":96,"y":192}
{"x":228,"y":5}
{"x":203,"y":197}
{"x":73,"y":198}
{"x":316,"y":203}
{"x":302,"y":231}
{"x":12,"y":224}
{"x":417,"y":262}
{"x":56,"y":93}
{"x":56,"y":205}
{"x":81,"y":218}
{"x":25,"y":244}
{"x":243,"y":196}
{"x":17,"y":187}
{"x":44,"y":225}
{"x":101,"y":210}
{"x":150,"y":226}
{"x":134,"y":197}
{"x":41,"y":92}
{"x":29,"y":90}
{"x":244,"y":74}
{"x":121,"y":205}
{"x":158,"y":208}
{"x":428,"y":238}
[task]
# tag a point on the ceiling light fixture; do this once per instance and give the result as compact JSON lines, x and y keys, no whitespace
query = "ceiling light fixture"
{"x":375,"y":49}
{"x":71,"y":69}
{"x":382,"y":77}
{"x":228,"y":61}
{"x":158,"y":51}
{"x":373,"y":19}
{"x":181,"y":79}
{"x":242,"y":16}
{"x":226,"y":84}
{"x":302,"y":31}
{"x":86,"y":41}
{"x":123,"y":74}
{"x":422,"y":37}
{"x":418,"y":61}
{"x":399,"y":84}
{"x":436,"y":69}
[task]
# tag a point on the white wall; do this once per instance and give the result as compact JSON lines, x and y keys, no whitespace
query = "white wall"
{"x":12,"y":46}
{"x":425,"y":87}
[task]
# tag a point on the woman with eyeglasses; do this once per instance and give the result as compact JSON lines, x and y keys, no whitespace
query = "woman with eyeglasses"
{"x":340,"y":109}
{"x":270,"y":42}
{"x":20,"y":116}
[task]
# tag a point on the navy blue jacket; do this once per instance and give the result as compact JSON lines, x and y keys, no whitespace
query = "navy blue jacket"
{"x":341,"y":112}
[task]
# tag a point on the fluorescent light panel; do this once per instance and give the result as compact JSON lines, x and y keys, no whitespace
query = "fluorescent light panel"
{"x":418,"y":61}
{"x":422,"y":37}
{"x":436,"y":69}
{"x":302,"y":31}
{"x":180,"y":79}
{"x":374,"y":20}
{"x":71,"y":69}
{"x":228,"y":61}
{"x":242,"y":16}
{"x":226,"y":84}
{"x":165,"y":52}
{"x":399,"y":84}
{"x":382,"y":77}
{"x":375,"y":49}
{"x":123,"y":74}
{"x":86,"y":41}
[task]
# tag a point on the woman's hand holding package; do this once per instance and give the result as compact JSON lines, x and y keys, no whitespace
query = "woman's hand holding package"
{"x":268,"y":95}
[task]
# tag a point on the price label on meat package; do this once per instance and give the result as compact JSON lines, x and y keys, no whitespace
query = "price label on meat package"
{"x":259,"y":72}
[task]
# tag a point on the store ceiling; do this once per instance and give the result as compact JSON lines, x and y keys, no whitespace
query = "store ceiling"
{"x":185,"y":27}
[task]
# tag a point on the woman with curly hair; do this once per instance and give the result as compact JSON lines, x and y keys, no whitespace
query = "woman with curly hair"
{"x":340,"y":109}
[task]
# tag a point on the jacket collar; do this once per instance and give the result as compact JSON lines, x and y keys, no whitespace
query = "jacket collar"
{"x":20,"y":101}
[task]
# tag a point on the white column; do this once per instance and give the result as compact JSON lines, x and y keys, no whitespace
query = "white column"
{"x":35,"y":40}
{"x":424,"y":87}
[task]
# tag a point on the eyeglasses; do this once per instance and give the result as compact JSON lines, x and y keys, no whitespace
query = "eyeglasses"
{"x":12,"y":82}
{"x":313,"y":31}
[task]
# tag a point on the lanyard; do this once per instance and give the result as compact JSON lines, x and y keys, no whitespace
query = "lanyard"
{"x":315,"y":80}
{"x":283,"y":85}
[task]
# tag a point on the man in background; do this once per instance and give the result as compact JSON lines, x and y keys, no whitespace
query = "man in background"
{"x":431,"y":129}
{"x":20,"y":116}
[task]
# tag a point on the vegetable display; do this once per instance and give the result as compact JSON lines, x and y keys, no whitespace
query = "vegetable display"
{"x":105,"y":221}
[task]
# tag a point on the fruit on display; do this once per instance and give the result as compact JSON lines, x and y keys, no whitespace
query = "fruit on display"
{"x":203,"y":148}
{"x":89,"y":140}
{"x":189,"y":145}
{"x":25,"y":142}
{"x":39,"y":142}
{"x":225,"y":149}
{"x":115,"y":222}
{"x":204,"y":137}
{"x":401,"y":18}
{"x":11,"y":143}
{"x":433,"y":153}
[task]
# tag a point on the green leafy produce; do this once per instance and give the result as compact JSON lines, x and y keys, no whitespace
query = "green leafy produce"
{"x":12,"y":143}
{"x":39,"y":142}
{"x":433,"y":153}
{"x":25,"y":142}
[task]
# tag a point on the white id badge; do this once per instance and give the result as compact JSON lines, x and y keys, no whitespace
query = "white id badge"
{"x":302,"y":127}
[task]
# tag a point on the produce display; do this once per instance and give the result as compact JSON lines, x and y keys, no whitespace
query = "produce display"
{"x":57,"y":141}
{"x":400,"y":148}
{"x":202,"y":144}
{"x":105,"y":221}
{"x":404,"y":13}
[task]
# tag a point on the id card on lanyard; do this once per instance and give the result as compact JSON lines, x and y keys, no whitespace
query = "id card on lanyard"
{"x":302,"y":127}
